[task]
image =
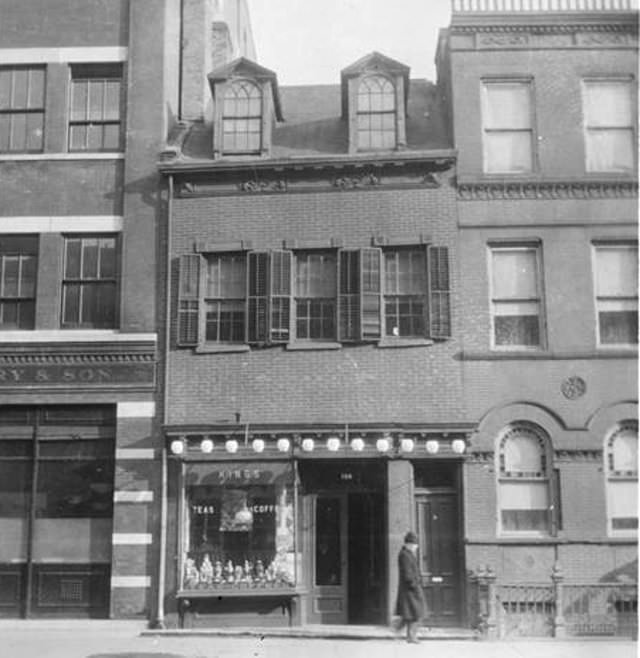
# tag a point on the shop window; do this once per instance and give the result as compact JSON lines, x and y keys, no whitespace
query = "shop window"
{"x":609,"y":125}
{"x":617,"y":294}
{"x":376,"y":114}
{"x":507,"y":126}
{"x":239,"y":533}
{"x":315,"y":290}
{"x":516,"y":304}
{"x":622,"y":479}
{"x":525,"y":481}
{"x":248,"y":297}
{"x":18,"y":269}
{"x":22,"y":109}
{"x":242,"y":118}
{"x":90,"y":282}
{"x":95,"y":108}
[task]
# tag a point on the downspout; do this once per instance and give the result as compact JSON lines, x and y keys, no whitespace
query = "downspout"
{"x":162,"y":561}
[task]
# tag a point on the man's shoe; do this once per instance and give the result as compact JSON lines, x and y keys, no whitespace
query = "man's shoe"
{"x":413,"y":640}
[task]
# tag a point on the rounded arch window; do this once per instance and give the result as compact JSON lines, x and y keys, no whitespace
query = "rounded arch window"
{"x":242,"y":117}
{"x":621,"y":455}
{"x":376,"y":113}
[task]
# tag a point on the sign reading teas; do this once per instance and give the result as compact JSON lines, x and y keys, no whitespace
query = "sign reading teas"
{"x":119,"y":374}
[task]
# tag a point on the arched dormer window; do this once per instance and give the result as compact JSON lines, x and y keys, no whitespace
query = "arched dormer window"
{"x":621,"y":455}
{"x":242,"y":118}
{"x":376,"y":109}
{"x":524,"y":480}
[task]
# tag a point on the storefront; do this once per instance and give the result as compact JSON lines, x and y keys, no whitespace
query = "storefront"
{"x":293,"y":528}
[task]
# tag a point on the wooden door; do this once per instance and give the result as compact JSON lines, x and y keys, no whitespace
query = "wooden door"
{"x":439,"y":556}
{"x":328,"y":559}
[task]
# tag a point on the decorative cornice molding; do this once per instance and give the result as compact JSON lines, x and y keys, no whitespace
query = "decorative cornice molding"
{"x":591,"y":455}
{"x":7,"y":360}
{"x":541,"y":191}
{"x":550,"y":28}
{"x":484,"y":457}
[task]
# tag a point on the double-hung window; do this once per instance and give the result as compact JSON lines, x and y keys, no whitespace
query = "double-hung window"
{"x":18,"y":267}
{"x":315,"y":290}
{"x":616,"y":277}
{"x":609,"y":125}
{"x":22,"y":93}
{"x":89,"y":285}
{"x":242,"y":118}
{"x":621,"y":450}
{"x":516,"y":303}
{"x":376,"y":114}
{"x":507,"y":120}
{"x":95,"y":108}
{"x":524,"y":481}
{"x":346,"y":295}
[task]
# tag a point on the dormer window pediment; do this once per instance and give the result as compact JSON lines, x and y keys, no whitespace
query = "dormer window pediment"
{"x":246,"y":103}
{"x":374,"y":97}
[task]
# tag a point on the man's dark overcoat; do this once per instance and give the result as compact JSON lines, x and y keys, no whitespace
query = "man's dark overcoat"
{"x":410,"y":604}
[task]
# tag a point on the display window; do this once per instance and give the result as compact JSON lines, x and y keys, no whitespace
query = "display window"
{"x":238,"y":529}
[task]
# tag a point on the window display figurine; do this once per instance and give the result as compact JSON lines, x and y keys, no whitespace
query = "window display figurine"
{"x":260,"y":576}
{"x":247,"y":573}
{"x":191,"y":574}
{"x":239,"y":575}
{"x":271,"y":573}
{"x":217,"y":572}
{"x":229,"y":572}
{"x":206,"y":570}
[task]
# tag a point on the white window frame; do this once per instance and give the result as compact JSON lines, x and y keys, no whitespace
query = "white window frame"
{"x":611,"y":478}
{"x":382,"y":81}
{"x":521,"y":247}
{"x":587,"y":130}
{"x":633,"y":303}
{"x":546,"y":478}
{"x":526,"y":83}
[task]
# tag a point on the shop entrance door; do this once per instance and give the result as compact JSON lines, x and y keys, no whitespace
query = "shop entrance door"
{"x":348,"y":558}
{"x":439,"y":536}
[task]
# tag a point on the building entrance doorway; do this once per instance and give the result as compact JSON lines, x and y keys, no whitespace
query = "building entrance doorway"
{"x":346,"y":556}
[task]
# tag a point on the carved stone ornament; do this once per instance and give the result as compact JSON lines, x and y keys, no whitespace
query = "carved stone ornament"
{"x":353,"y":182}
{"x":546,"y":190}
{"x":279,"y":185}
{"x":573,"y":387}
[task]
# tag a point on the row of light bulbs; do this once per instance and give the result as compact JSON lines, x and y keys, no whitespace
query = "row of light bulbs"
{"x":383,"y":445}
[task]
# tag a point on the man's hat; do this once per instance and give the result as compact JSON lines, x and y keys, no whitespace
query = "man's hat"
{"x":410,"y":538}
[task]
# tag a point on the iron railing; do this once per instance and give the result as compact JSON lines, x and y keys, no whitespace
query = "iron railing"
{"x":501,"y":6}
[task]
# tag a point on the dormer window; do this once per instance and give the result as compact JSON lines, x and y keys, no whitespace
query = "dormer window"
{"x":376,"y":113}
{"x":242,"y":118}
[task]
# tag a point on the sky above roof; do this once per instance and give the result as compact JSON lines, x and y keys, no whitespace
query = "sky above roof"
{"x":311,"y":41}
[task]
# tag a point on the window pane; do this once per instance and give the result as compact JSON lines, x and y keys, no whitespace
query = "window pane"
{"x":111,"y":137}
{"x":15,"y":486}
{"x":107,"y":258}
{"x":5,"y":132}
{"x":517,"y":330}
{"x":19,"y":132}
{"x":6,"y":77}
{"x":96,"y":100}
{"x":618,"y":327}
{"x":71,"y":303}
{"x":524,"y":506}
{"x":10,"y":276}
{"x":328,"y":542}
{"x":617,"y":272}
{"x":73,"y":256}
{"x":36,"y":88}
{"x":20,"y":88}
{"x":90,"y":247}
{"x":610,"y":150}
{"x":95,"y":134}
{"x":515,"y":274}
{"x":77,"y":137}
{"x":625,"y":451}
{"x":508,"y":152}
{"x":523,"y":454}
{"x":608,"y":104}
{"x":34,"y":131}
{"x":98,"y":305}
{"x":79,"y":96}
{"x":623,"y":499}
{"x":507,"y":106}
{"x":112,"y":100}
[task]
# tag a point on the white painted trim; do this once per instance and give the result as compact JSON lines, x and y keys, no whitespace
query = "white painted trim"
{"x":136,"y":409}
{"x":130,"y":581}
{"x":73,"y":336}
{"x":133,"y":496}
{"x":135,"y":453}
{"x":131,"y":538}
{"x":61,"y":223}
{"x":20,"y":157}
{"x":88,"y":54}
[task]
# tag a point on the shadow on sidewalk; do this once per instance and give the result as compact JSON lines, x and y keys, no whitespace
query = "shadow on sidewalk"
{"x":136,"y":654}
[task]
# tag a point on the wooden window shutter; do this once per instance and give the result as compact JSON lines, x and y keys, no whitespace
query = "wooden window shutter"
{"x":370,"y":294}
{"x":348,"y":295}
{"x":280,"y":298}
{"x":188,"y":299}
{"x":257,"y":297}
{"x":439,"y":293}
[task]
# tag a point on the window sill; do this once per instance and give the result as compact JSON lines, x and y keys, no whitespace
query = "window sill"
{"x":71,"y":335}
{"x":219,"y":349}
{"x":404,"y":342}
{"x":299,"y":345}
{"x":76,"y":155}
{"x":525,"y":355}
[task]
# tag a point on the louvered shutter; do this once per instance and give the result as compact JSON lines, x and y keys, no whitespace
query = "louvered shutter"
{"x":370,"y":294}
{"x":257,"y":297}
{"x":280,"y":298}
{"x":188,"y":299}
{"x":439,"y":293}
{"x":348,"y":295}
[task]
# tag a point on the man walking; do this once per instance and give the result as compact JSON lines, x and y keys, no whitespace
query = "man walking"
{"x":410,"y":604}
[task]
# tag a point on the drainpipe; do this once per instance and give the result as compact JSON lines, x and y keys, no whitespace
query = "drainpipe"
{"x":162,"y":561}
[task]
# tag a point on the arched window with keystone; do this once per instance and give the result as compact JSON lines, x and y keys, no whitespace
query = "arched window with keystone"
{"x":621,"y":456}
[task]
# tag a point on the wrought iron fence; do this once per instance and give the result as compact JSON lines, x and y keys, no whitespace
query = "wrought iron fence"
{"x":464,"y":6}
{"x":525,"y":610}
